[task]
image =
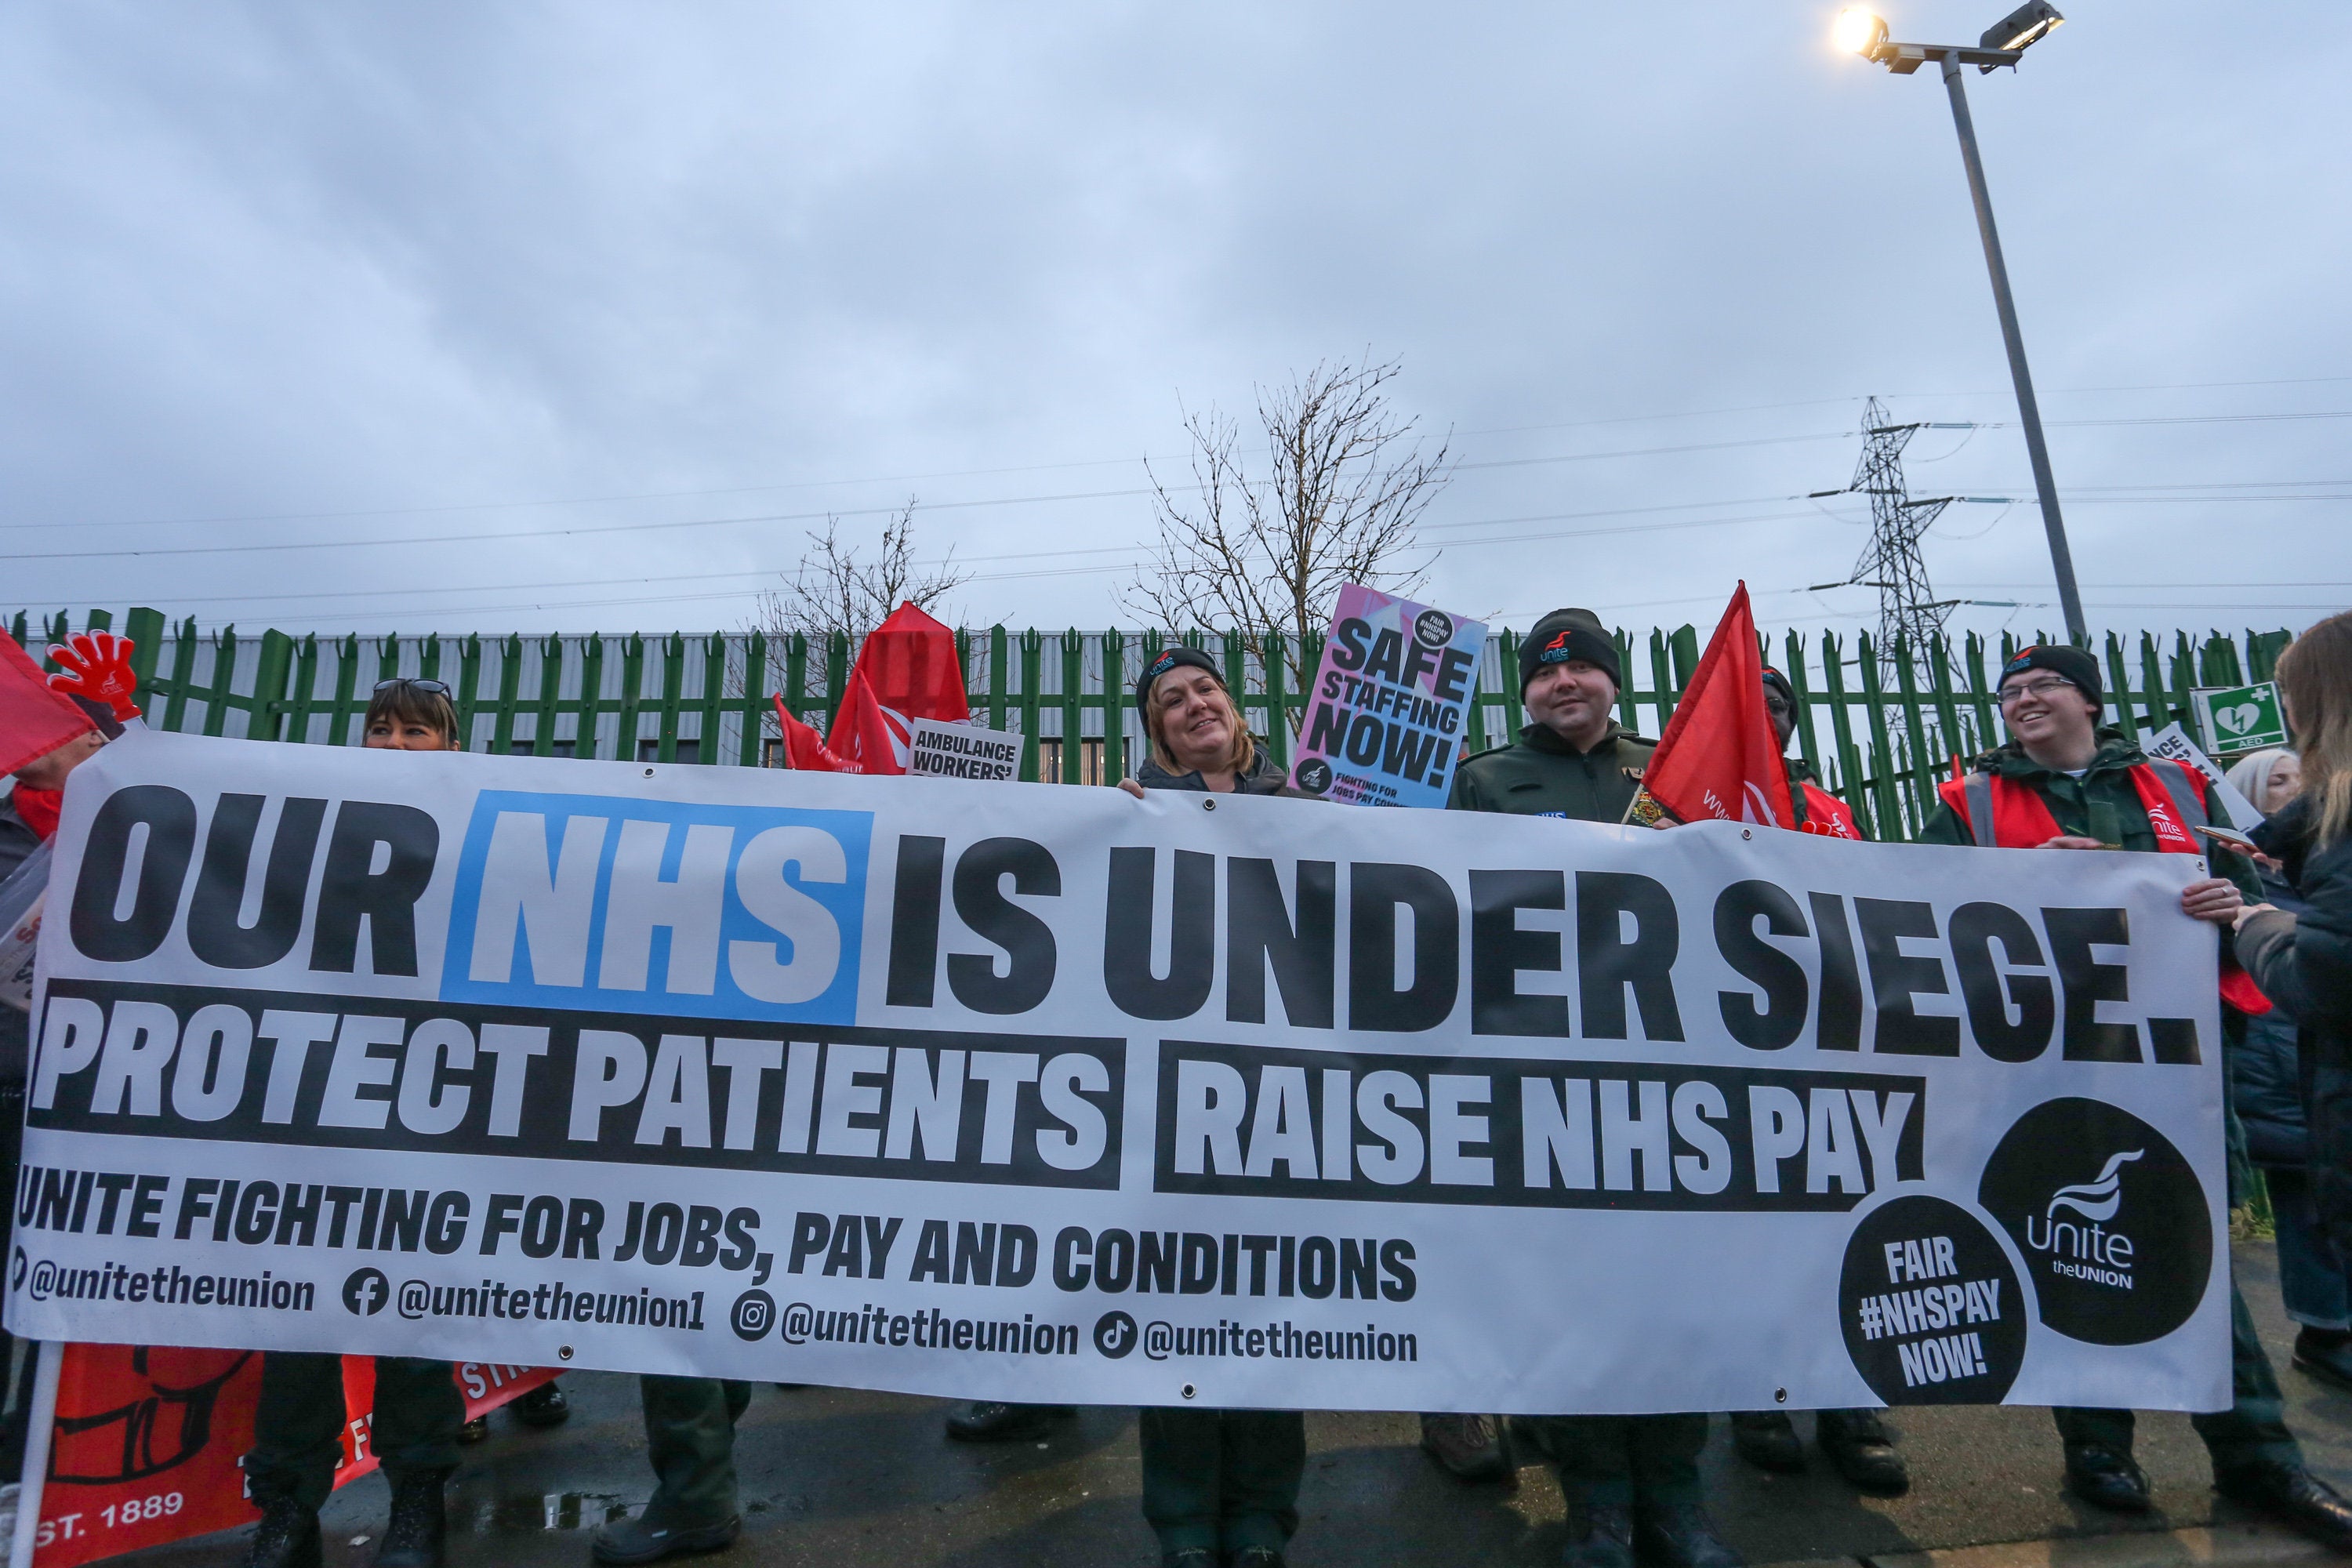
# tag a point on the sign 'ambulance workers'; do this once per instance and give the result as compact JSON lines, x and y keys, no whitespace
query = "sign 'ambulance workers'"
{"x":1384,"y":716}
{"x":939,"y":751}
{"x":1014,"y":1091}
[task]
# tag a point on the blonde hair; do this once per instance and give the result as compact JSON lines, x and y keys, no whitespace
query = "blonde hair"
{"x":1240,"y":753}
{"x":2315,"y":676}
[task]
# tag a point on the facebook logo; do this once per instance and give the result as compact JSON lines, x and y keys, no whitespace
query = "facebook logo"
{"x":628,"y":906}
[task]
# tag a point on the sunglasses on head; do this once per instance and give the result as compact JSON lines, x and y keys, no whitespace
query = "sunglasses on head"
{"x":430,"y":688}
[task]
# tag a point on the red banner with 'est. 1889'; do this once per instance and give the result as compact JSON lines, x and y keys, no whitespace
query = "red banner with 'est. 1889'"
{"x":149,"y":1442}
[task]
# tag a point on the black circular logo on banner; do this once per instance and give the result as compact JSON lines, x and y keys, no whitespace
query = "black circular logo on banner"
{"x":754,"y":1315}
{"x":1930,"y":1306}
{"x":1432,"y":629}
{"x":1115,"y":1334}
{"x":1314,"y":776}
{"x":2107,"y":1215}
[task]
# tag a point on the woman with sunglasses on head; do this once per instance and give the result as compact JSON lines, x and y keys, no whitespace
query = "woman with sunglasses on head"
{"x":1220,"y":1486}
{"x":419,"y":1418}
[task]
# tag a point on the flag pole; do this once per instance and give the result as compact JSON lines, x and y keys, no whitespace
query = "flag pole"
{"x":40,"y":1426}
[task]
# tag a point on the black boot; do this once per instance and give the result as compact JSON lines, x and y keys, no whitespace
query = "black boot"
{"x":2104,"y":1478}
{"x":2326,"y":1354}
{"x":287,"y":1537}
{"x":542,"y":1406}
{"x":1862,"y":1449}
{"x":1468,"y":1448}
{"x":1599,"y":1535}
{"x":1768,"y":1440}
{"x":414,"y":1537}
{"x":2294,"y":1497}
{"x":1681,"y":1535}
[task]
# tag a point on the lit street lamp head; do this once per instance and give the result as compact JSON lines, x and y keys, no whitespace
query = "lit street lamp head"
{"x":1858,"y":32}
{"x":1861,"y":32}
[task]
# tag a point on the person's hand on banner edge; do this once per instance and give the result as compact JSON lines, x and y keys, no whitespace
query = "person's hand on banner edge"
{"x":2072,"y":841}
{"x":96,"y":665}
{"x":2216,"y":898}
{"x":1131,"y":787}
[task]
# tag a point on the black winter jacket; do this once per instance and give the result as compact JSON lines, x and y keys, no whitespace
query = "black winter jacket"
{"x":1266,"y":776}
{"x":2267,"y":1081}
{"x":2302,"y":962}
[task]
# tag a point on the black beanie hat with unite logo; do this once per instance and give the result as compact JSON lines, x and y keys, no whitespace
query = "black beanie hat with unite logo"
{"x":1566,"y":635}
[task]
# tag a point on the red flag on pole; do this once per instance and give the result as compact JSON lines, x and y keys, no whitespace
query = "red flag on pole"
{"x":864,"y":739}
{"x":1720,"y":757}
{"x":33,"y":720}
{"x":910,"y":669}
{"x":803,"y":747}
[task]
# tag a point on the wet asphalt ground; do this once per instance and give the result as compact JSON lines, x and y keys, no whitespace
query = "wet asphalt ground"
{"x":841,"y":1477}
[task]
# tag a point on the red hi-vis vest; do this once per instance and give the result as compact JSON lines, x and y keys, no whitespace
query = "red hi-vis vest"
{"x":2003,"y":813}
{"x":1826,"y":815}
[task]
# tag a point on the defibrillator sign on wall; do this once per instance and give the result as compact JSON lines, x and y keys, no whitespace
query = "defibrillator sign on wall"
{"x":2238,"y":718}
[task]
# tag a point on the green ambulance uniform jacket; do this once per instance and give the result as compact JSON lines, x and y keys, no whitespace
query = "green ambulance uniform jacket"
{"x":2103,"y":803}
{"x":2105,"y":793}
{"x":1543,"y":775}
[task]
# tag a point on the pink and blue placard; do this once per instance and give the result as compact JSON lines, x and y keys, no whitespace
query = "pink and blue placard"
{"x":1385,"y":716}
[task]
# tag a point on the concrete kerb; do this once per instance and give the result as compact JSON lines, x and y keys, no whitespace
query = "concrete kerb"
{"x":2216,"y":1546}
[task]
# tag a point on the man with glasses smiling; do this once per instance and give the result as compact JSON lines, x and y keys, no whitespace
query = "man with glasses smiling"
{"x":2064,"y":781}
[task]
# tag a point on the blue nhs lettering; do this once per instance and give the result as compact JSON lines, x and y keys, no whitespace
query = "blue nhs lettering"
{"x":593,"y":902}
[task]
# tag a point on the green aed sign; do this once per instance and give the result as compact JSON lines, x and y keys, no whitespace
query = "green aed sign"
{"x":2241,"y":718}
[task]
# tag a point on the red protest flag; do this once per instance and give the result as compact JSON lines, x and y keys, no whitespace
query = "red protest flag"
{"x":1720,"y":757}
{"x":33,"y":720}
{"x":910,"y":667}
{"x":804,"y":748}
{"x":864,"y":738}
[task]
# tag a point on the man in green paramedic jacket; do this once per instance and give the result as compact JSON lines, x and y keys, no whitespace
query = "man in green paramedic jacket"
{"x":1627,"y":1479}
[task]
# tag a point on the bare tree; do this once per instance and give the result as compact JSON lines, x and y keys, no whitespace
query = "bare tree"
{"x":834,"y":588}
{"x":1346,"y":480}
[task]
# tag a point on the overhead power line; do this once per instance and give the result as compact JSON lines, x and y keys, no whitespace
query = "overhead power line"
{"x":435,"y":509}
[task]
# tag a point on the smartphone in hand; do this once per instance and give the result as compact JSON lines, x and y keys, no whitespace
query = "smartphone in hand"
{"x":2230,"y":838}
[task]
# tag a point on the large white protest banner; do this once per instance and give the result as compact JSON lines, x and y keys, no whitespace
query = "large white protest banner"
{"x":1016,"y":1092}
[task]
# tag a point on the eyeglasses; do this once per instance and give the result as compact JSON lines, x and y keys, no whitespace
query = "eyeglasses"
{"x":2010,"y":696}
{"x":430,"y":688}
{"x":1776,"y":705}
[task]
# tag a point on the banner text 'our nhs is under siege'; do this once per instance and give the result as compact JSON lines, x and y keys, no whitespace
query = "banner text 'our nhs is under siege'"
{"x":936,"y":981}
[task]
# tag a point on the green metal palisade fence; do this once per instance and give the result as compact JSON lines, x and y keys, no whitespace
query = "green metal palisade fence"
{"x":674,"y":698}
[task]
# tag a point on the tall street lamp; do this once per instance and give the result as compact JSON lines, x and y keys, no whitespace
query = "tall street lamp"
{"x":1861,"y":33}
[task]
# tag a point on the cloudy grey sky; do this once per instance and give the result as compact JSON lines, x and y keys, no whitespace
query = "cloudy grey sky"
{"x":574,"y":317}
